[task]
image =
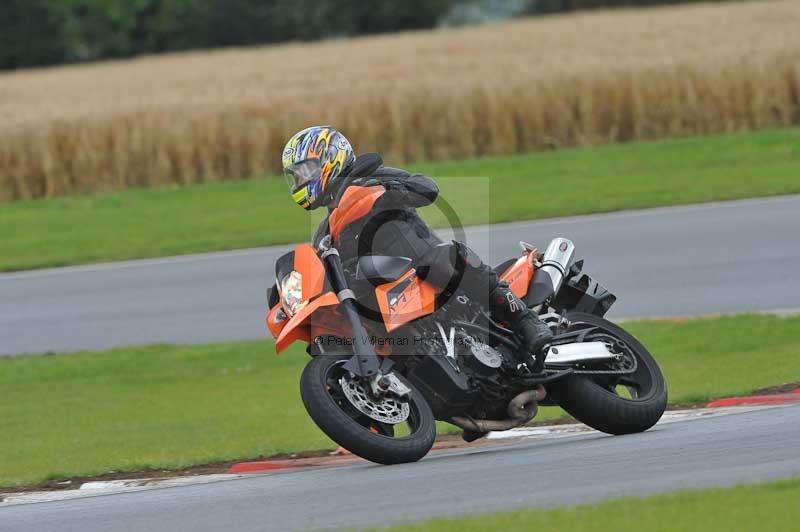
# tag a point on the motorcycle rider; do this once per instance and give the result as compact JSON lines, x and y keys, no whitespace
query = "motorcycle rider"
{"x":318,"y":160}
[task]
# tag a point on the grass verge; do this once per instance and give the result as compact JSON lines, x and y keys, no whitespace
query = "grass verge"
{"x":770,"y":506}
{"x":175,"y":406}
{"x":158,"y":222}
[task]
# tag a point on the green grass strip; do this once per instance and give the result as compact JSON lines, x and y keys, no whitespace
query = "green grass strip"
{"x":758,"y":507}
{"x":175,"y":406}
{"x":219,"y":216}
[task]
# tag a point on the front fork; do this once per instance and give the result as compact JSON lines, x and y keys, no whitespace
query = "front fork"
{"x":364,"y":363}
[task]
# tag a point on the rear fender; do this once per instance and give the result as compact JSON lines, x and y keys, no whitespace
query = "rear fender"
{"x":582,"y":293}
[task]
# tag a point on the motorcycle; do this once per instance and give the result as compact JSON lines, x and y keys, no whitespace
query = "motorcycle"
{"x":391,"y":353}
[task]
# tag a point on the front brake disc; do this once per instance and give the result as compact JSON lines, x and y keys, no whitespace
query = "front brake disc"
{"x":388,"y":410}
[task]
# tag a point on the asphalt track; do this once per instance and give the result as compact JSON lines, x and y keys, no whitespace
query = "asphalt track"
{"x":722,"y":257}
{"x":719,"y":451}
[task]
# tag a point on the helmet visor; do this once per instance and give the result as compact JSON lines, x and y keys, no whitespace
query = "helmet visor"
{"x":300,"y":174}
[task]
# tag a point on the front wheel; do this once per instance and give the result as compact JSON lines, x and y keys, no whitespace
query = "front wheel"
{"x":614,"y":403}
{"x":388,"y":431}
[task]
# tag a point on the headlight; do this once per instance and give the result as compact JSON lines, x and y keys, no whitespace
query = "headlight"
{"x":292,"y":293}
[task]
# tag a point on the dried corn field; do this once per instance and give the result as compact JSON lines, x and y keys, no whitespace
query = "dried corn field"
{"x":579,"y":79}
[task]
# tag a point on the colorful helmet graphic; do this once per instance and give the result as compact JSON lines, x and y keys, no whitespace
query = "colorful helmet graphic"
{"x":313,"y":159}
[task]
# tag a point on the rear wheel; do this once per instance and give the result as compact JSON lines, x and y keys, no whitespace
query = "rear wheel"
{"x":614,"y":403}
{"x":392,"y":430}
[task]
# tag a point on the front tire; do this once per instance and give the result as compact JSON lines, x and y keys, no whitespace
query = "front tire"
{"x":594,"y":401}
{"x":341,"y":421}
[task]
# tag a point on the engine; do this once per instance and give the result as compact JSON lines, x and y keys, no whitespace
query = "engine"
{"x":457,"y":371}
{"x":480,"y":357}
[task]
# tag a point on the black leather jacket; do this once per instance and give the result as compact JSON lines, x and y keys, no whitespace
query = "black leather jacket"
{"x":393,"y":226}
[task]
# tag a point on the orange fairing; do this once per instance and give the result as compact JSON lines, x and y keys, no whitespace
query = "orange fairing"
{"x":356,"y":203}
{"x":298,"y":328}
{"x":311,"y":268}
{"x":330,"y":323}
{"x":405,"y":299}
{"x":519,"y":275}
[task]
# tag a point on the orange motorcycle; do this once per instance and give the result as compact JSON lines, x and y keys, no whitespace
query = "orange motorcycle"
{"x":391,"y":354}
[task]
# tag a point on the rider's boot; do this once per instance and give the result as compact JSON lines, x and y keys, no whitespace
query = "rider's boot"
{"x":533,"y":332}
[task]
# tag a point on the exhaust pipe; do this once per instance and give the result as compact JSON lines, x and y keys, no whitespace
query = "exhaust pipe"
{"x":556,"y":260}
{"x":521,"y":409}
{"x":550,"y":275}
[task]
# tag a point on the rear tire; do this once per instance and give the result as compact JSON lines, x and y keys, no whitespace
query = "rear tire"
{"x":588,"y":401}
{"x":373,"y":441}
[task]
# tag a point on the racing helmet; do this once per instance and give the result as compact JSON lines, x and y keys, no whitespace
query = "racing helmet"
{"x":313,"y":160}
